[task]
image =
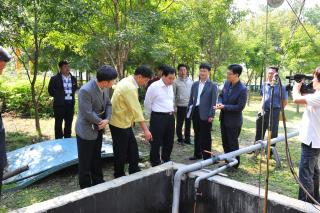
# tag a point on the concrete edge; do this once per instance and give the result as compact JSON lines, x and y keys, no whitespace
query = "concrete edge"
{"x":272,"y":196}
{"x":80,"y":194}
{"x":83,"y":193}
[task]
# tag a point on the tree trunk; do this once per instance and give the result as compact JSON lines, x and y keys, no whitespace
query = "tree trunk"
{"x":120,"y":66}
{"x":35,"y":70}
{"x":255,"y":82}
{"x":192,"y":70}
{"x":215,"y":67}
{"x":36,"y":110}
{"x":261,"y":79}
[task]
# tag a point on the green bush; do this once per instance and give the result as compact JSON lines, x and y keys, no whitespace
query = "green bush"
{"x":16,"y":97}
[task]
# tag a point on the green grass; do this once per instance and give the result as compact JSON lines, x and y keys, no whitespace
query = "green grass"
{"x":280,"y":179}
{"x":29,"y":196}
{"x":16,"y":140}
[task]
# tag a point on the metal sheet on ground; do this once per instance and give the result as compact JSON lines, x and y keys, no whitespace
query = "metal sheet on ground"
{"x":46,"y":158}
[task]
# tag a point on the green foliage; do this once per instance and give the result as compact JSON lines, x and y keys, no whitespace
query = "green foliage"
{"x":16,"y":97}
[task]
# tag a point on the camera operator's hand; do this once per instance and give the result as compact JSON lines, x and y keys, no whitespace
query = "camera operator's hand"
{"x":297,"y":87}
{"x":102,"y":124}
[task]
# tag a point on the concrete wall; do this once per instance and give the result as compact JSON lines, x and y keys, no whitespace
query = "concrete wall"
{"x":150,"y":191}
{"x":147,"y":191}
{"x":223,"y":195}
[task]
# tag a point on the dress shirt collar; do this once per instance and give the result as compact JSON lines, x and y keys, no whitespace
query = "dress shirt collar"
{"x":101,"y":90}
{"x":162,"y":84}
{"x":65,"y":77}
{"x":135,"y":82}
{"x":203,"y":82}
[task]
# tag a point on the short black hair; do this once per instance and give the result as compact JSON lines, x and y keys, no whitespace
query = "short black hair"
{"x":168,"y":70}
{"x":63,"y":62}
{"x":235,"y":68}
{"x":4,"y":55}
{"x":161,"y":67}
{"x":274,"y":68}
{"x":205,"y":66}
{"x":106,"y":73}
{"x":144,"y":71}
{"x":182,"y":65}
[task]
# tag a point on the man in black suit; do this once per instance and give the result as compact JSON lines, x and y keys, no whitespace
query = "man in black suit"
{"x":62,"y":88}
{"x":231,"y":102}
{"x":4,"y":59}
{"x":203,"y":98}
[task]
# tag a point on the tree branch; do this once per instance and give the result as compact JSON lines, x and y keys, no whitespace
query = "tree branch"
{"x":173,"y":1}
{"x":23,"y":63}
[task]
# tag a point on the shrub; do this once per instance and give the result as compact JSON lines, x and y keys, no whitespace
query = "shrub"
{"x":16,"y":97}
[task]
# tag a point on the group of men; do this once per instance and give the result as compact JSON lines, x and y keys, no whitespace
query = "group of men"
{"x":168,"y":98}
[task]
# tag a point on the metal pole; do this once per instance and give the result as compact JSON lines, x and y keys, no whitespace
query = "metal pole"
{"x":270,"y":126}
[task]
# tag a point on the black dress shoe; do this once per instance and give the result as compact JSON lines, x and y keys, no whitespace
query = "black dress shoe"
{"x":188,"y":142}
{"x":181,"y":143}
{"x":195,"y":158}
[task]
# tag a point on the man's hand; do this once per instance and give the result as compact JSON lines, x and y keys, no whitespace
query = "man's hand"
{"x":210,"y":119}
{"x":218,"y":106}
{"x":102,"y":124}
{"x":147,"y":135}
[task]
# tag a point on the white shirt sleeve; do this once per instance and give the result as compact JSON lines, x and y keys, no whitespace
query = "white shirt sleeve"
{"x":148,"y":100}
{"x":313,"y":100}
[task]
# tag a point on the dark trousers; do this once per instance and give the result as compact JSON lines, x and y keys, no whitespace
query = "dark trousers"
{"x":125,"y":149}
{"x":202,"y":135}
{"x":63,"y":113}
{"x":309,"y":172}
{"x":162,"y":130}
{"x":89,"y":154}
{"x":182,"y":118}
{"x":3,"y":156}
{"x":230,"y":142}
{"x":265,"y":117}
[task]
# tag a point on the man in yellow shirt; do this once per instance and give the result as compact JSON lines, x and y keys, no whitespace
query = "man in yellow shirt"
{"x":126,"y":110}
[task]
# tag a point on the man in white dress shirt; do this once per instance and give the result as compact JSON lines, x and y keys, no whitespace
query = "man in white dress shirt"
{"x":309,"y":136}
{"x":159,"y":103}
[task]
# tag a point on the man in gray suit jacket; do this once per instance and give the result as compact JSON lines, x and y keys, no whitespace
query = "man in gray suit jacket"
{"x":94,"y":112}
{"x":203,"y":98}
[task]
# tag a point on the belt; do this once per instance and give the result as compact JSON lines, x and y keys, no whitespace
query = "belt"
{"x":162,"y":113}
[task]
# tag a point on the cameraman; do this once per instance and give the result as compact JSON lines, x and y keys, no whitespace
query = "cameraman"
{"x":309,"y":135}
{"x":266,"y":93}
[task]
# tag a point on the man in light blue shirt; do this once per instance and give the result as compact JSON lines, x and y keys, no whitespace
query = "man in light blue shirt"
{"x":262,"y":122}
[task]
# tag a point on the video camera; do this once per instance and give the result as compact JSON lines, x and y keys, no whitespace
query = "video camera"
{"x":306,"y":87}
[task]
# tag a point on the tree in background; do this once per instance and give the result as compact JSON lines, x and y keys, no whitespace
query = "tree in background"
{"x":34,"y":26}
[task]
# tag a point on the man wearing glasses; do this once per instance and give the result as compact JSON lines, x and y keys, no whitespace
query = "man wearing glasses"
{"x":231,"y":102}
